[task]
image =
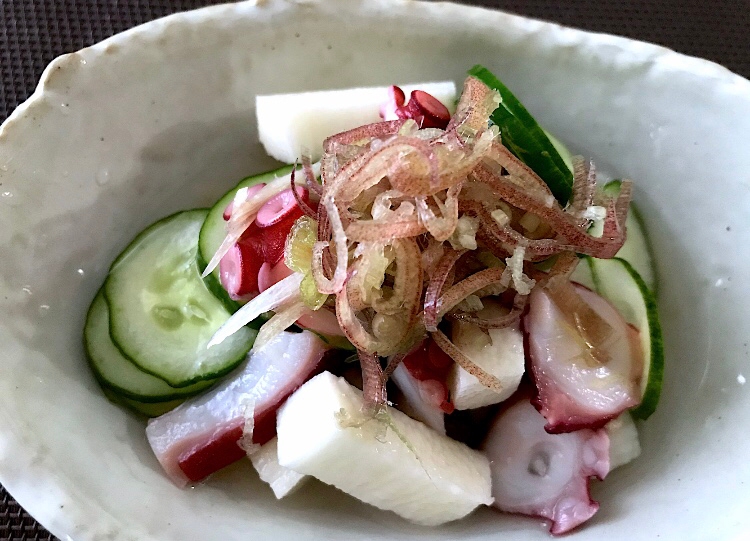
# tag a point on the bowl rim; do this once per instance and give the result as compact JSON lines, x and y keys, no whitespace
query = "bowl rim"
{"x":23,"y":489}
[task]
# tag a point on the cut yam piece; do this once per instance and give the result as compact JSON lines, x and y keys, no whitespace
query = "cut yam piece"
{"x":390,"y":461}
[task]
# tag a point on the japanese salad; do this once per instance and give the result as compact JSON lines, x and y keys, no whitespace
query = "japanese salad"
{"x":433,"y":307}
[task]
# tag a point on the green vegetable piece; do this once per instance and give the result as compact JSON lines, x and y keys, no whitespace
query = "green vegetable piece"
{"x":117,"y":373}
{"x":145,"y":409}
{"x":161,"y":315}
{"x":214,"y":230}
{"x":617,"y":281}
{"x":637,"y":249}
{"x":298,"y":257}
{"x":525,"y":138}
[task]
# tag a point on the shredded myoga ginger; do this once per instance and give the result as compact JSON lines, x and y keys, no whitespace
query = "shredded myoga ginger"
{"x":414,"y":225}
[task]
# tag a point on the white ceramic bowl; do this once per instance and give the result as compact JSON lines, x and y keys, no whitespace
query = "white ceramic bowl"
{"x":161,"y":118}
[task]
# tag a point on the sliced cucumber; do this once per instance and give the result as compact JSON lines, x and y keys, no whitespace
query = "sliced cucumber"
{"x":146,"y":409}
{"x":119,"y":374}
{"x":213,"y":231}
{"x":637,"y":248}
{"x":526,"y":139}
{"x":162,"y":316}
{"x":562,"y":150}
{"x":584,"y":273}
{"x":619,"y":283}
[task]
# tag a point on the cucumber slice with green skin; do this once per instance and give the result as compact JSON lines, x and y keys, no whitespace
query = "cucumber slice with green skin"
{"x":523,"y":136}
{"x":562,"y":150}
{"x":144,"y":409}
{"x":213,"y":284}
{"x":619,"y":283}
{"x":637,"y":248}
{"x":162,"y":315}
{"x":584,"y":273}
{"x":119,"y":374}
{"x":214,"y":230}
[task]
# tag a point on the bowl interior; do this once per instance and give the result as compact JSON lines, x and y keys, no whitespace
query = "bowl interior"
{"x":162,"y":118}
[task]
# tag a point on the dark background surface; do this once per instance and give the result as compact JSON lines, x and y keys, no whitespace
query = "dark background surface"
{"x":34,"y":32}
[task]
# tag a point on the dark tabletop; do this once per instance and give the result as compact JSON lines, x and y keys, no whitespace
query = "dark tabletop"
{"x":36,"y":31}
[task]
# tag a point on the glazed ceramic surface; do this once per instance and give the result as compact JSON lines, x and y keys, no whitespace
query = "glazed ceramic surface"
{"x":161,"y":118}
